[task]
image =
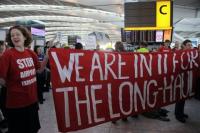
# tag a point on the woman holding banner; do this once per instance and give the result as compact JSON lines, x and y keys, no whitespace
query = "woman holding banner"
{"x":18,"y":67}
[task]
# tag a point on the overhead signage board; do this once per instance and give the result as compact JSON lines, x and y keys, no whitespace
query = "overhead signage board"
{"x":163,"y":14}
{"x":154,"y":15}
{"x":140,"y":14}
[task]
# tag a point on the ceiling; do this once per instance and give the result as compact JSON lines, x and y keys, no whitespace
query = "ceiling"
{"x":188,"y":3}
{"x":74,"y":17}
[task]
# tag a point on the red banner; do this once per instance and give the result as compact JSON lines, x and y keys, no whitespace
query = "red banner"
{"x":92,"y":87}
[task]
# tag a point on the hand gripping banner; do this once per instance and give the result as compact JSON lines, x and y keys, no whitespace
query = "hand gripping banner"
{"x":93,"y":87}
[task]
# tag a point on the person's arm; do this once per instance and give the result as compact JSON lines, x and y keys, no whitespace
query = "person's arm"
{"x":2,"y":82}
{"x":43,"y":65}
{"x":44,"y":62}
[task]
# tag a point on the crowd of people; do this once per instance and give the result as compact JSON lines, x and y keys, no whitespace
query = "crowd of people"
{"x":20,"y":93}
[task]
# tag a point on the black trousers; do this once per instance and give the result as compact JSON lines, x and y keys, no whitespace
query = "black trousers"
{"x":23,"y":120}
{"x":197,"y":89}
{"x":40,"y":85}
{"x":48,"y":80}
{"x":179,"y":108}
{"x":3,"y":100}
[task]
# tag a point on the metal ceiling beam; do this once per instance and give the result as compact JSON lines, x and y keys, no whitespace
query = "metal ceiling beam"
{"x":194,"y":34}
{"x":55,"y":18}
{"x":186,"y":29}
{"x":178,"y":37}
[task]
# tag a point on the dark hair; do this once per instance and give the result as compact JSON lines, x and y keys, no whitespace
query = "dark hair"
{"x":186,"y":41}
{"x":2,"y":43}
{"x":25,"y":33}
{"x":47,"y":42}
{"x":78,"y":46}
{"x":119,"y":46}
{"x":167,"y":41}
{"x":145,"y":44}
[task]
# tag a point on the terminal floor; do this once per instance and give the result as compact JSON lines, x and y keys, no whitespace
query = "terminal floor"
{"x":134,"y":125}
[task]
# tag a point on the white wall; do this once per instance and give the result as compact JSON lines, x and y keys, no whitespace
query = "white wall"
{"x":2,"y":35}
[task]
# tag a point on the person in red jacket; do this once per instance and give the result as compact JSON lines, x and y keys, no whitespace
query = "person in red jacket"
{"x":18,"y":67}
{"x":165,"y":47}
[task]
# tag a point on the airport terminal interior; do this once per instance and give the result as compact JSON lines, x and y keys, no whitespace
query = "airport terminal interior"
{"x":98,"y":25}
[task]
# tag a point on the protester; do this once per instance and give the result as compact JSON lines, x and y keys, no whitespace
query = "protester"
{"x":176,"y":46}
{"x":18,"y":67}
{"x":65,"y":46}
{"x":2,"y":47}
{"x":143,"y":47}
{"x":40,"y":76}
{"x":98,"y":47}
{"x":3,"y":120}
{"x":49,"y":44}
{"x":78,"y":46}
{"x":165,"y":47}
{"x":157,"y":113}
{"x":179,"y":107}
{"x":197,"y":89}
{"x":154,"y":49}
{"x":119,"y":47}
